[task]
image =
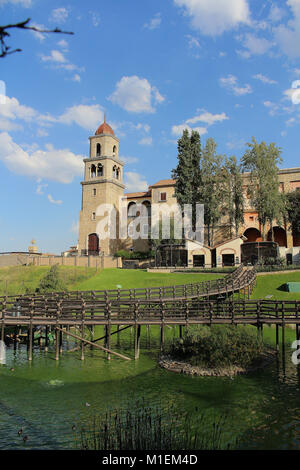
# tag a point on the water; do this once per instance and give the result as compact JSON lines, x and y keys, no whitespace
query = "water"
{"x":47,"y":398}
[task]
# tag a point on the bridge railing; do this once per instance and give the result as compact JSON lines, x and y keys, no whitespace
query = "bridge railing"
{"x":233,"y":281}
{"x":158,"y":311}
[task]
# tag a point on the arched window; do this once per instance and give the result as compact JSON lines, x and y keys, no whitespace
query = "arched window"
{"x":93,"y":171}
{"x":132,"y":209}
{"x":118,"y":173}
{"x":98,"y":150}
{"x":147,"y":205}
{"x":114,"y":171}
{"x":114,"y":150}
{"x":100,"y":170}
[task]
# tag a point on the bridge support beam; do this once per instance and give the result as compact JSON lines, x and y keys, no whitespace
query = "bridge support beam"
{"x":137,"y":340}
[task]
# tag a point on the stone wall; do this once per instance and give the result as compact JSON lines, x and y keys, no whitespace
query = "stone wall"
{"x":100,"y":262}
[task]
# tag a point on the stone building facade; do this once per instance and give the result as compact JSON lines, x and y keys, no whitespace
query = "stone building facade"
{"x":103,"y":184}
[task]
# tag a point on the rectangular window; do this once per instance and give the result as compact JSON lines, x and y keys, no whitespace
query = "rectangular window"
{"x":94,"y":192}
{"x":163,"y":196}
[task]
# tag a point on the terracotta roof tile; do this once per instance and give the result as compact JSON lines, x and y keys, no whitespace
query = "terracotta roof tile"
{"x":163,"y":183}
{"x":104,"y":129}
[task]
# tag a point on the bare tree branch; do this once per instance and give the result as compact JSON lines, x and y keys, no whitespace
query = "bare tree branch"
{"x":4,"y":35}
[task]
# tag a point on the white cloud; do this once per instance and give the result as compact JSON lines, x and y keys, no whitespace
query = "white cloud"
{"x":37,"y":34}
{"x":56,"y":165}
{"x":136,"y":95}
{"x":254,"y":46}
{"x":231,"y":83}
{"x":59,"y":15}
{"x":50,"y":198}
{"x":146,"y":141}
{"x":288,"y":36}
{"x":86,"y":116}
{"x":55,"y":56}
{"x":42,"y":133}
{"x":178,"y":130}
{"x":75,"y":227}
{"x":208,"y":118}
{"x":76,"y":78}
{"x":40,"y":188}
{"x":154,"y":23}
{"x":129,"y":160}
{"x":264,"y":79}
{"x":135,"y":182}
{"x":276,"y":14}
{"x":192,"y":41}
{"x":213,"y":17}
{"x":12,"y":110}
{"x":95,"y":18}
{"x":63,"y":44}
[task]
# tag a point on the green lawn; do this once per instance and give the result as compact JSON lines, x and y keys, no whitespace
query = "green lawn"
{"x":132,"y":278}
{"x":16,"y":279}
{"x":268,"y":285}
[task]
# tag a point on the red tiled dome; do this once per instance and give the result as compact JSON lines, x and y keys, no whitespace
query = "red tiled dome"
{"x":104,"y":129}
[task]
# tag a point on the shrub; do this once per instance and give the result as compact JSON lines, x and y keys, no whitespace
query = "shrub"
{"x":125,"y":254}
{"x":141,"y":427}
{"x":51,"y":282}
{"x":217,"y":346}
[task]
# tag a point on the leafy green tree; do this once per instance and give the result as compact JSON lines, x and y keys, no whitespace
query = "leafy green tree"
{"x":232,"y":183}
{"x":187,"y":173}
{"x":293,"y":211}
{"x":51,"y":282}
{"x":261,"y":161}
{"x":210,"y":190}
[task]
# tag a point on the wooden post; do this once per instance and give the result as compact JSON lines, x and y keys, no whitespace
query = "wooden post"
{"x":162,"y":330}
{"x":82,"y":327}
{"x":3,"y":319}
{"x":58,"y":309}
{"x":47,"y":339}
{"x":162,"y":337}
{"x":108,"y":327}
{"x":277,"y":337}
{"x":277,"y":327}
{"x":60,"y":342}
{"x":30,"y":334}
{"x":180,"y":331}
{"x":137,"y":338}
{"x":57,"y":344}
{"x":108,"y":330}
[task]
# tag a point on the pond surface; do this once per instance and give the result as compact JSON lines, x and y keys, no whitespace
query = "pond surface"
{"x":47,"y":398}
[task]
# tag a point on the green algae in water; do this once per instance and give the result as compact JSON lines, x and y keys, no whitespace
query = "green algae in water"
{"x":262,"y":408}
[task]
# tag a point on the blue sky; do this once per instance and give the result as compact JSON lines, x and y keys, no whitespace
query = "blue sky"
{"x":228,"y":68}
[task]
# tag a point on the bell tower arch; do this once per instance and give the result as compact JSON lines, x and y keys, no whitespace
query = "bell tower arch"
{"x":103,"y":184}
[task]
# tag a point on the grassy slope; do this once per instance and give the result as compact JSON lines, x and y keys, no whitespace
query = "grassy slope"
{"x":15,"y":279}
{"x":130,"y":278}
{"x":21,"y":277}
{"x":268,"y":285}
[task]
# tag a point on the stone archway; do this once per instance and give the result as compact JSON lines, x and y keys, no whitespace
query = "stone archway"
{"x":93,"y":244}
{"x":279,"y":236}
{"x":253,"y":235}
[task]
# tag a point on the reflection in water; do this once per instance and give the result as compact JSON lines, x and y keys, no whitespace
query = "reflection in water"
{"x":48,"y":398}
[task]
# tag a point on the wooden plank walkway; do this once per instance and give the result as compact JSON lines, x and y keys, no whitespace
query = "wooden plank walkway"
{"x":207,"y":303}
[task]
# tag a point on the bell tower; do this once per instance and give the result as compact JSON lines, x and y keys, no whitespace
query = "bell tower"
{"x":103,"y":184}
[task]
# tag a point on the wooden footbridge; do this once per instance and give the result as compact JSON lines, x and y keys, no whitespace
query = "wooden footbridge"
{"x":210,"y":302}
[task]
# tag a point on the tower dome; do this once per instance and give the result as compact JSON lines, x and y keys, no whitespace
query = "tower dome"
{"x":104,"y":129}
